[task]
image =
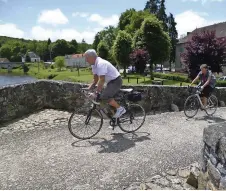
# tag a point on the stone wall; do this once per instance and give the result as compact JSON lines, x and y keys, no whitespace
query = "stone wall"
{"x":213,"y":174}
{"x":19,"y":100}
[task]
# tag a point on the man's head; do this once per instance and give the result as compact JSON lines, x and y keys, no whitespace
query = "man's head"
{"x":204,"y":68}
{"x":90,"y":56}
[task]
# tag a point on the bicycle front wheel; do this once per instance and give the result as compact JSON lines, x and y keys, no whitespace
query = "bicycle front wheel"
{"x":191,"y":106}
{"x":212,"y":105}
{"x":133,"y":119}
{"x":85,"y":126}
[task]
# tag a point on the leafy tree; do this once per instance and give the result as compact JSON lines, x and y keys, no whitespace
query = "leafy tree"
{"x":5,"y":51}
{"x":74,"y":46}
{"x":122,"y":49}
{"x":152,"y":6}
{"x":102,"y":50}
{"x":162,"y":15}
{"x":27,"y":58}
{"x":139,"y":58}
{"x":174,"y":38}
{"x":25,"y":68}
{"x":155,"y":40}
{"x":205,"y":48}
{"x":136,"y":20}
{"x":49,"y":41}
{"x":97,"y":40}
{"x":60,"y":62}
{"x":125,"y":18}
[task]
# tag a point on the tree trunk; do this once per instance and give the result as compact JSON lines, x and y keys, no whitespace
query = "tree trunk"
{"x":170,"y":66}
{"x":124,"y":72}
{"x":151,"y":71}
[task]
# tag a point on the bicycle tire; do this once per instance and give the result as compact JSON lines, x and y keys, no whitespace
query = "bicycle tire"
{"x":196,"y":110}
{"x":128,"y":111}
{"x":216,"y":100}
{"x":88,"y":115}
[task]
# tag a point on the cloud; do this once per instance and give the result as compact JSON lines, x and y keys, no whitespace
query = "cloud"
{"x":203,"y":1}
{"x":104,"y":21}
{"x":80,"y":14}
{"x":53,"y":17}
{"x":11,"y":30}
{"x":40,"y":33}
{"x":190,"y":20}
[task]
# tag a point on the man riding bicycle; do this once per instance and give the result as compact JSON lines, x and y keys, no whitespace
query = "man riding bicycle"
{"x":207,"y":82}
{"x":105,"y":72}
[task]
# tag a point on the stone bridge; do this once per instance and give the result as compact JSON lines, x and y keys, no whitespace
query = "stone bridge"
{"x":38,"y":152}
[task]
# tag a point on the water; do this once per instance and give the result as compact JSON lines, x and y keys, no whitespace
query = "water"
{"x":9,"y":80}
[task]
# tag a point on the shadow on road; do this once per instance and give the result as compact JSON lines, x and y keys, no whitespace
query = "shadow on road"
{"x":213,"y":119}
{"x":119,"y":142}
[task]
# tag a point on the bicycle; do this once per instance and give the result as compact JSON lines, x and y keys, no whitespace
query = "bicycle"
{"x":197,"y":104}
{"x":96,"y":110}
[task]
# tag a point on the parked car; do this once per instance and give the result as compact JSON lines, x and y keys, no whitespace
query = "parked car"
{"x":223,"y":78}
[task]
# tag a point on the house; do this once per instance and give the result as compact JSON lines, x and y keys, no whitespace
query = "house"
{"x":33,"y":57}
{"x":3,"y":60}
{"x":76,"y":60}
{"x":219,"y":28}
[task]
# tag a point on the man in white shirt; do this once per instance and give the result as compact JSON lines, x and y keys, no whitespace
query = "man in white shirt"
{"x":104,"y":71}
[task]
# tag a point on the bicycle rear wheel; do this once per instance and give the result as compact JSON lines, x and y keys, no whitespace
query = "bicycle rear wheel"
{"x":191,"y":106}
{"x":133,"y":119}
{"x":212,"y":105}
{"x":89,"y":124}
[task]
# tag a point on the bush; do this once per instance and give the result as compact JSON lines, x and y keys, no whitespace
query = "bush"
{"x":174,"y":77}
{"x":221,"y":84}
{"x":51,"y":76}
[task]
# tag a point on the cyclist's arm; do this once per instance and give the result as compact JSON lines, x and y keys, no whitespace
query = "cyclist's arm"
{"x":100,"y":83}
{"x":196,"y":79}
{"x":95,"y":80}
{"x":207,"y":82}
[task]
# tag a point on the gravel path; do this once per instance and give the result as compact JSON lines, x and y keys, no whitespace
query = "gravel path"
{"x":38,"y":152}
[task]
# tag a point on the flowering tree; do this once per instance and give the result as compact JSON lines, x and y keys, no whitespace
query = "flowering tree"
{"x":139,"y":58}
{"x":204,"y":48}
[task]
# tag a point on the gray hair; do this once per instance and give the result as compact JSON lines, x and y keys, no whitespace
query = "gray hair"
{"x":204,"y":66}
{"x":91,"y":53}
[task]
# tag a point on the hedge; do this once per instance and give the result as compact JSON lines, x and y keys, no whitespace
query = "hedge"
{"x":181,"y":78}
{"x":174,"y":77}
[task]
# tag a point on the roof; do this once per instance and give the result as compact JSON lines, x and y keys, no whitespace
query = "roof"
{"x":219,"y":28}
{"x":33,"y":55}
{"x":4,"y":60}
{"x":74,"y":56}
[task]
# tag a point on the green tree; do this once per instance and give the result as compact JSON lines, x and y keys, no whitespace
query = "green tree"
{"x":102,"y":50}
{"x":74,"y":46}
{"x":136,"y":20}
{"x":97,"y":40}
{"x":60,"y":62}
{"x":152,"y":6}
{"x":122,"y":49}
{"x":174,"y":38}
{"x":5,"y":51}
{"x":162,"y":15}
{"x":125,"y":18}
{"x":156,"y":41}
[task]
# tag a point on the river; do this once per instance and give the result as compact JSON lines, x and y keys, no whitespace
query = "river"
{"x":10,"y":79}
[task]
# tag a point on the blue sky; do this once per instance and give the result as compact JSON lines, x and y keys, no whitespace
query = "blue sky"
{"x":77,"y":19}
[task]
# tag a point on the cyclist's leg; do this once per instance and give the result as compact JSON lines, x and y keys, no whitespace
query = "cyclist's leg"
{"x":205,"y":94}
{"x":108,"y":95}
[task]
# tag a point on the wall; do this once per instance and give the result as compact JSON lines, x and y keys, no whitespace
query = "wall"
{"x":19,"y":100}
{"x":213,"y":174}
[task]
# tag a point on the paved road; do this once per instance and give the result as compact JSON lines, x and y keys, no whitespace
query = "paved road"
{"x":38,"y":152}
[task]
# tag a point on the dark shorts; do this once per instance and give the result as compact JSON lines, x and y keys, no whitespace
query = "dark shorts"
{"x":206,"y":91}
{"x":111,"y":89}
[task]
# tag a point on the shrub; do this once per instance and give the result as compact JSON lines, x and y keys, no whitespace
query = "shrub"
{"x":51,"y":76}
{"x":221,"y":84}
{"x":175,"y":77}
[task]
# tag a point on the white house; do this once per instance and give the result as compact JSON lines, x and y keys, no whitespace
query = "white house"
{"x":34,"y":57}
{"x":76,"y":60}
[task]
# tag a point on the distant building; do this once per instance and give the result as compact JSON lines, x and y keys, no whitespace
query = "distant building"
{"x":76,"y":60}
{"x":34,"y":57}
{"x":3,"y":60}
{"x":219,"y":28}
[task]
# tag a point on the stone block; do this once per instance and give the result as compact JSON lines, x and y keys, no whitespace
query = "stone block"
{"x":223,"y":183}
{"x":222,"y":150}
{"x":214,"y":174}
{"x":213,"y":134}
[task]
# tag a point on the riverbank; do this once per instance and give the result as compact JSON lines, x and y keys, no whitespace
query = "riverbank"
{"x":84,"y":75}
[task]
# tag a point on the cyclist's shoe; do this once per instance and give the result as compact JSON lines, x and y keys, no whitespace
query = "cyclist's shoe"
{"x":120,"y":111}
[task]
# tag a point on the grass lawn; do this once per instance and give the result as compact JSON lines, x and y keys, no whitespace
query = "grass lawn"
{"x":85,"y":75}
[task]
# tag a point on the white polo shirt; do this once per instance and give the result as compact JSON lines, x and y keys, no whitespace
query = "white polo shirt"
{"x":104,"y":68}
